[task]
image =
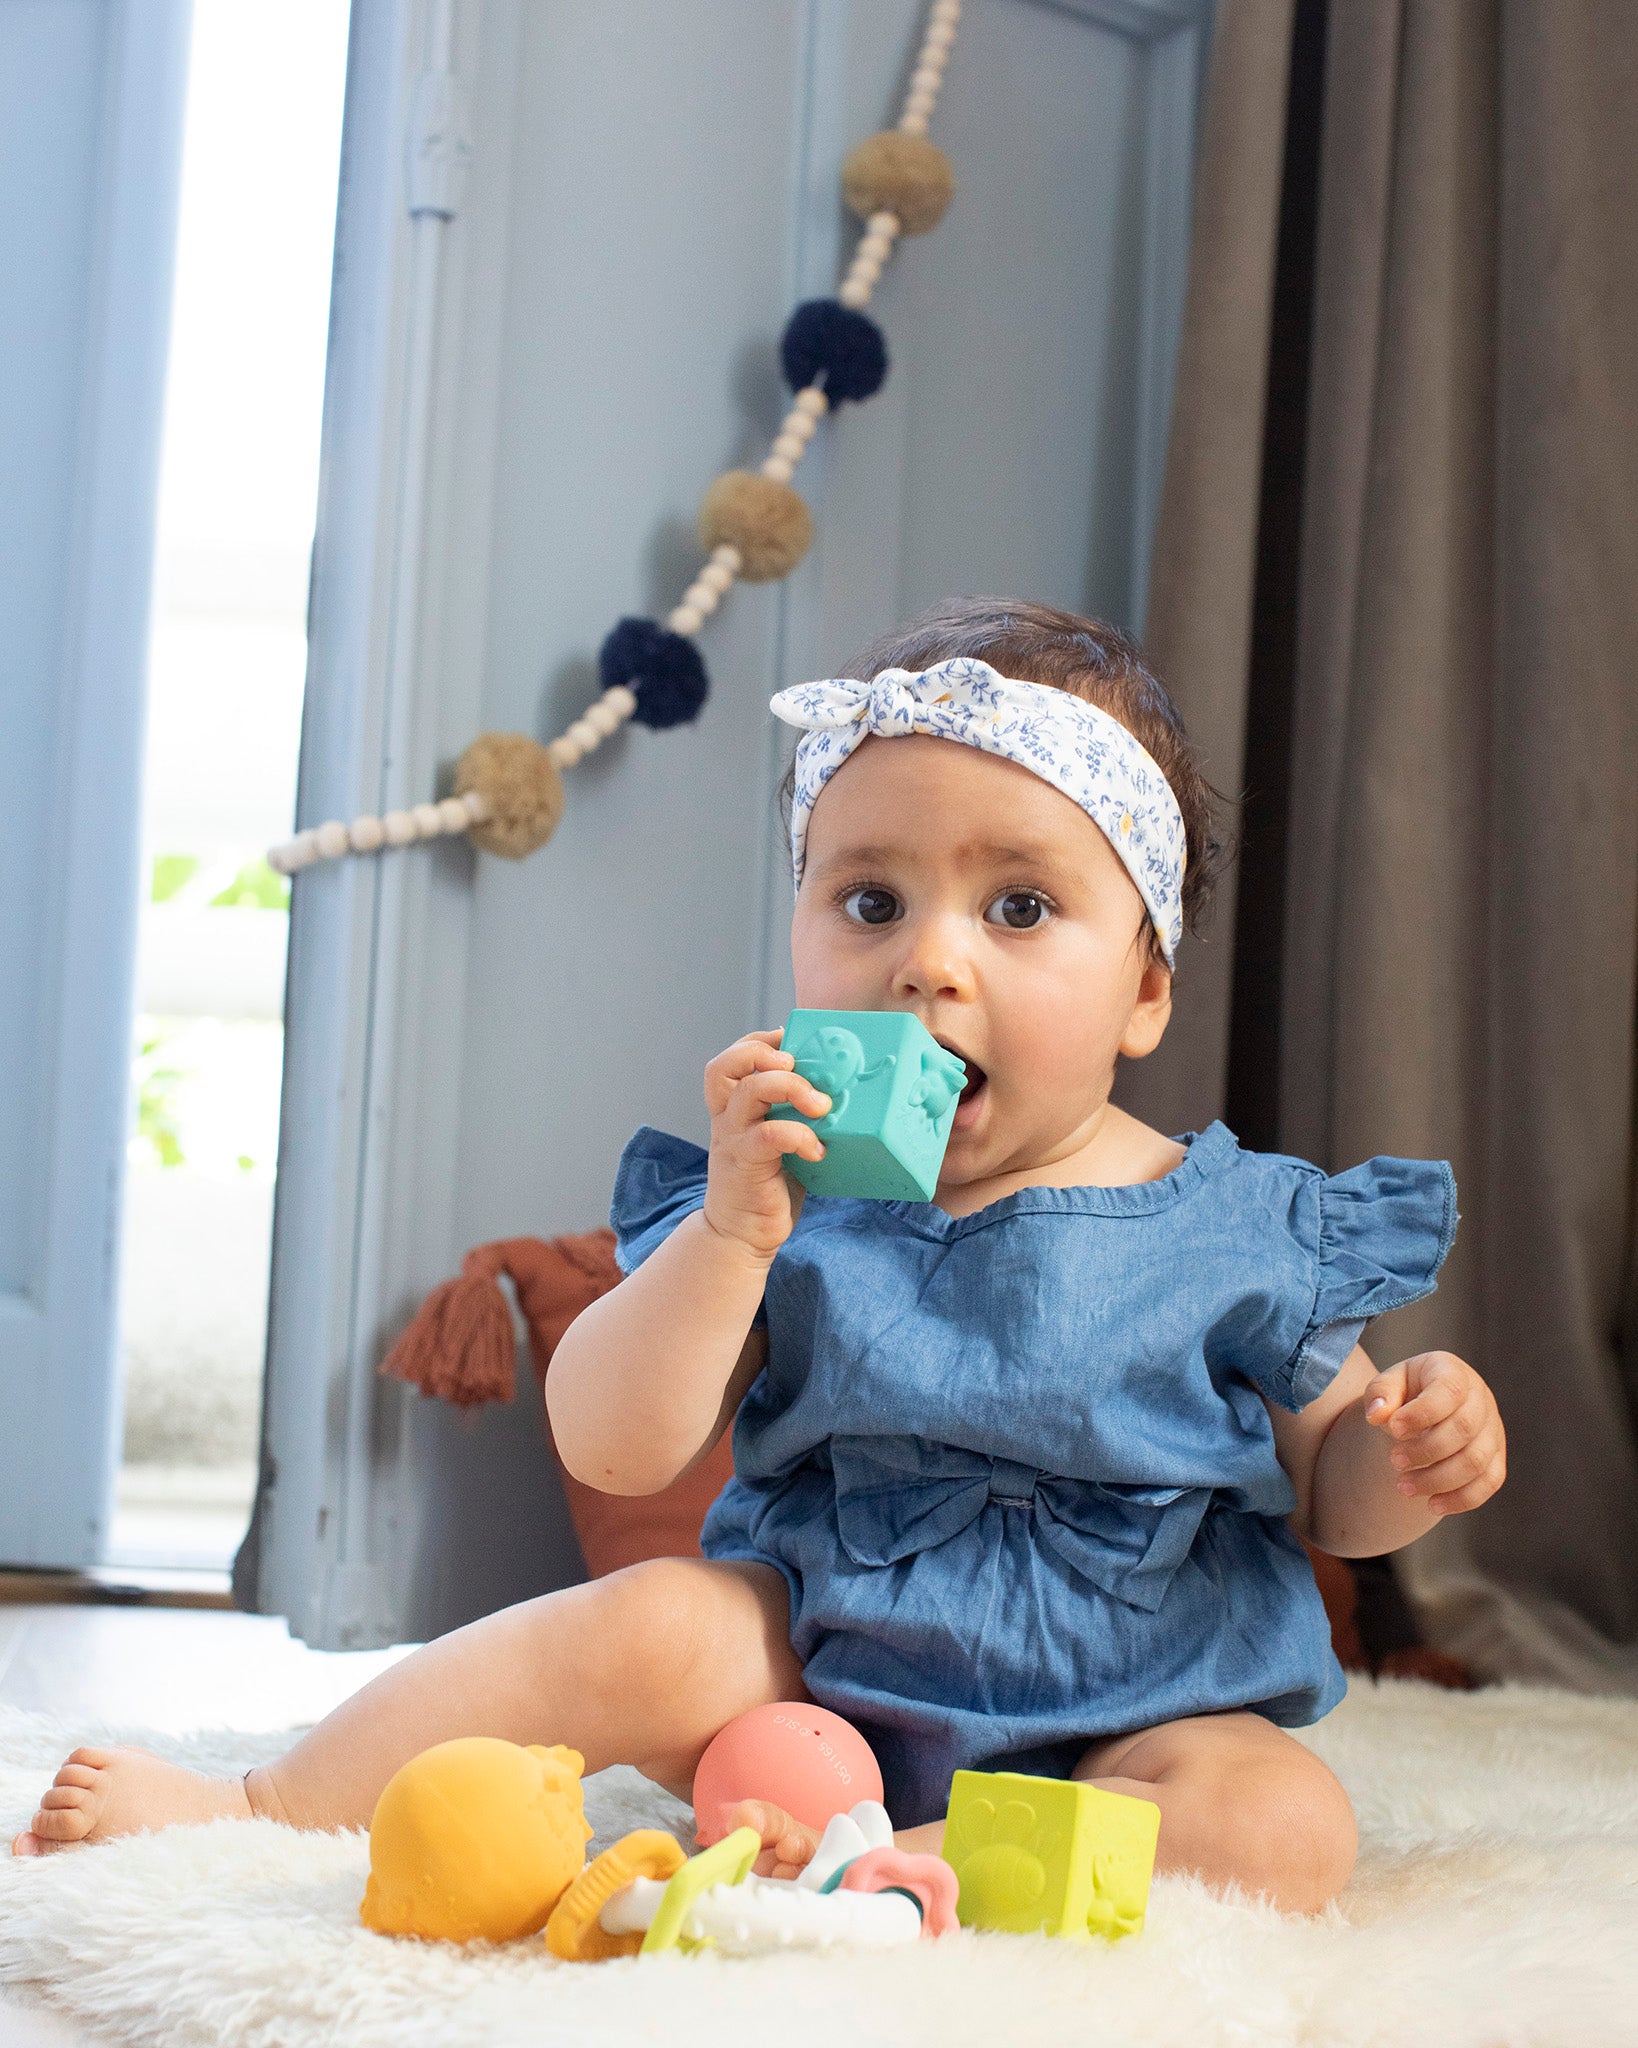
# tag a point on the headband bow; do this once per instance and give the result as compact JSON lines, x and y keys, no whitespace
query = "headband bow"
{"x":1075,"y":746}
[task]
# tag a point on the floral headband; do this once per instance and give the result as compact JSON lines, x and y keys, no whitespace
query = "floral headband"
{"x":1079,"y":749}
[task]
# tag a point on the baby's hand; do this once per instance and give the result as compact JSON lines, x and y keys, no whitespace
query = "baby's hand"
{"x":748,"y":1195}
{"x":788,"y":1844}
{"x":1449,"y":1440}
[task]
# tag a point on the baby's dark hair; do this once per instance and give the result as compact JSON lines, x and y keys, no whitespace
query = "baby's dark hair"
{"x":1036,"y":643}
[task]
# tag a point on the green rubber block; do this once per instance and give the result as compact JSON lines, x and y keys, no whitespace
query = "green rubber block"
{"x":1049,"y":1855}
{"x":893,"y":1092}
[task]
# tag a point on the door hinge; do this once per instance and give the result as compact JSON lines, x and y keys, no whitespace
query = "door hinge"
{"x":440,"y":147}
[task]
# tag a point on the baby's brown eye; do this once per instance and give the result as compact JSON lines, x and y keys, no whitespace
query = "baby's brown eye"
{"x":872,"y":906}
{"x":1020,"y":910}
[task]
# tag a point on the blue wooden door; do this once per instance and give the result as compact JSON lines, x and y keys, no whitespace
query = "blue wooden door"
{"x":90,"y":135}
{"x":651,"y":188}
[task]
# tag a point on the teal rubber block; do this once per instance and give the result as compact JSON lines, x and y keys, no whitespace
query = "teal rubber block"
{"x":893,"y":1092}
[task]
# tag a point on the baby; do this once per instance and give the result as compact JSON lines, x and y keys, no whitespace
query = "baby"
{"x":1020,"y":1472}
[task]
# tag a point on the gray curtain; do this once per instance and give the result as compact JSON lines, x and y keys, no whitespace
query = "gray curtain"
{"x":1460,"y":959}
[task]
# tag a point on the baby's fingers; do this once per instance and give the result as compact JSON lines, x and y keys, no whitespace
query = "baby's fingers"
{"x":1445,"y":1438}
{"x":1442,"y":1383}
{"x":756,"y":1094}
{"x":777,"y":1135}
{"x":787,"y":1844}
{"x":756,"y":1052}
{"x":1471,"y":1462}
{"x":1475,"y":1493}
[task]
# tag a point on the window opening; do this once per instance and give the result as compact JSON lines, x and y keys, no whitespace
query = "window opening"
{"x":227,"y":660}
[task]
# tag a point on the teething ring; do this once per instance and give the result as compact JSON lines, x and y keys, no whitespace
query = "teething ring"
{"x":574,"y":1930}
{"x":928,"y":1879}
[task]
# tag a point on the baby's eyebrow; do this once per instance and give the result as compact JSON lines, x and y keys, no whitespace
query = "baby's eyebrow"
{"x":977,"y":852}
{"x":971,"y":853}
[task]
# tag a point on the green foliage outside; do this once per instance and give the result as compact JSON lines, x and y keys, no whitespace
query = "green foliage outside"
{"x":156,"y":1085}
{"x":172,"y":873}
{"x":254,"y":887}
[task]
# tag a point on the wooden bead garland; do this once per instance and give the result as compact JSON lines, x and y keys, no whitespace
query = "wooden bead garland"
{"x":508,"y":793}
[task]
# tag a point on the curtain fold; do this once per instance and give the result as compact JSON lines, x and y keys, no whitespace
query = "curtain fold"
{"x":1201,"y":585}
{"x":1460,"y":960}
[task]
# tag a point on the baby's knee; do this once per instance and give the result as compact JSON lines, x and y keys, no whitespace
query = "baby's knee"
{"x":653,"y":1614}
{"x":1295,"y":1835}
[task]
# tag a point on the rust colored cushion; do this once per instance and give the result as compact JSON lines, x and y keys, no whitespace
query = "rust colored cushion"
{"x":554,"y":1283}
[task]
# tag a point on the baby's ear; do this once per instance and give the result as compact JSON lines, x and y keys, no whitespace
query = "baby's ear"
{"x":1152,"y":1011}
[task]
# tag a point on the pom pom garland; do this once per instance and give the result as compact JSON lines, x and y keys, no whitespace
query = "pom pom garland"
{"x":766,"y":522}
{"x":508,"y":788}
{"x":661,"y":669}
{"x":836,"y":347}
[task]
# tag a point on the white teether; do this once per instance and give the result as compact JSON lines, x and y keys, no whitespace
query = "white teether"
{"x":873,"y":1822}
{"x":632,"y":1909}
{"x":842,"y":1840}
{"x":769,"y":1913}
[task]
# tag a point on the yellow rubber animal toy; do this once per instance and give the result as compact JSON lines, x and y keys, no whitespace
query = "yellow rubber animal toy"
{"x":475,"y":1840}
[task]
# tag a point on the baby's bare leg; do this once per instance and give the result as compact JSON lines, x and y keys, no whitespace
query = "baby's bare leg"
{"x":1240,"y":1802}
{"x":642,"y":1667}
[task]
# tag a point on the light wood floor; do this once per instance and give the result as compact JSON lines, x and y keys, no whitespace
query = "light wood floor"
{"x":165,"y":1668}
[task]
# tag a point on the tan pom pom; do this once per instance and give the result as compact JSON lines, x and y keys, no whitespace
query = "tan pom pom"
{"x":523,"y":788}
{"x":898,"y":173}
{"x":765,"y":519}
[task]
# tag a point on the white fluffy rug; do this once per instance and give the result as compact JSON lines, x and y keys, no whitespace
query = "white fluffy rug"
{"x":1496,"y":1903}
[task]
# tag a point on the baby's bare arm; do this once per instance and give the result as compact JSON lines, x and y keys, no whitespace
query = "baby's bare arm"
{"x":1379,"y":1457}
{"x":644,"y":1381}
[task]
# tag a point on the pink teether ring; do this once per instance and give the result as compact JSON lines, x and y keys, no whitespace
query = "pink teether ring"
{"x":928,"y":1879}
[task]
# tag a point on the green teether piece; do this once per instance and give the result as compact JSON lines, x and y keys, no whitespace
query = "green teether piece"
{"x":893,"y":1092}
{"x":726,"y":1862}
{"x":834,"y":1881}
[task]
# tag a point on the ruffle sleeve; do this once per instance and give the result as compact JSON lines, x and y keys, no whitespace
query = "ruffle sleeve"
{"x":1383,"y":1230}
{"x":661,"y":1180}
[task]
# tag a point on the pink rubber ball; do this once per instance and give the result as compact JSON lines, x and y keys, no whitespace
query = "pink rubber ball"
{"x":805,"y":1759}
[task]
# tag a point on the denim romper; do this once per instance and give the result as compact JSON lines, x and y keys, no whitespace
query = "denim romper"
{"x":1016,"y":1468}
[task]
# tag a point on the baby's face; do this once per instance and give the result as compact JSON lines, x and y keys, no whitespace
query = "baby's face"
{"x":963,"y":888}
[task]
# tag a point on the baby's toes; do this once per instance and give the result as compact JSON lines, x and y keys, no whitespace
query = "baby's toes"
{"x":67,"y":1814}
{"x":84,"y":1777}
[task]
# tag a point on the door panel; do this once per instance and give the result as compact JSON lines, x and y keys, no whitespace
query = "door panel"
{"x":651,"y":190}
{"x":90,"y":138}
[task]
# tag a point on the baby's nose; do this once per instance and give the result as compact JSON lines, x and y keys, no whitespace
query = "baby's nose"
{"x":934,"y":963}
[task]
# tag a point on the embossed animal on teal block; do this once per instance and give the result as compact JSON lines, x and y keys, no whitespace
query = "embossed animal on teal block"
{"x":894,"y":1091}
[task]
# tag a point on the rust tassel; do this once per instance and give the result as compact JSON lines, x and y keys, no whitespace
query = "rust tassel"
{"x":459,"y":1345}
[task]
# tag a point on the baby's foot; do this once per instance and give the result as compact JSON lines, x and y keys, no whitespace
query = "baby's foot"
{"x":101,"y":1793}
{"x":787,"y":1845}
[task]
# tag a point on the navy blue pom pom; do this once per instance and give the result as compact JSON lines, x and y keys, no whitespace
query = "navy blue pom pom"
{"x":662,"y":670}
{"x":825,"y":338}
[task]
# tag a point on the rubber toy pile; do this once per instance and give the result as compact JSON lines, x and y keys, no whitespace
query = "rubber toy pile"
{"x":480,"y":1840}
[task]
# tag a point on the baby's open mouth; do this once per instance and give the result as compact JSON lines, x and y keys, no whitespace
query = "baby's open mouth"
{"x":976,"y":1076}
